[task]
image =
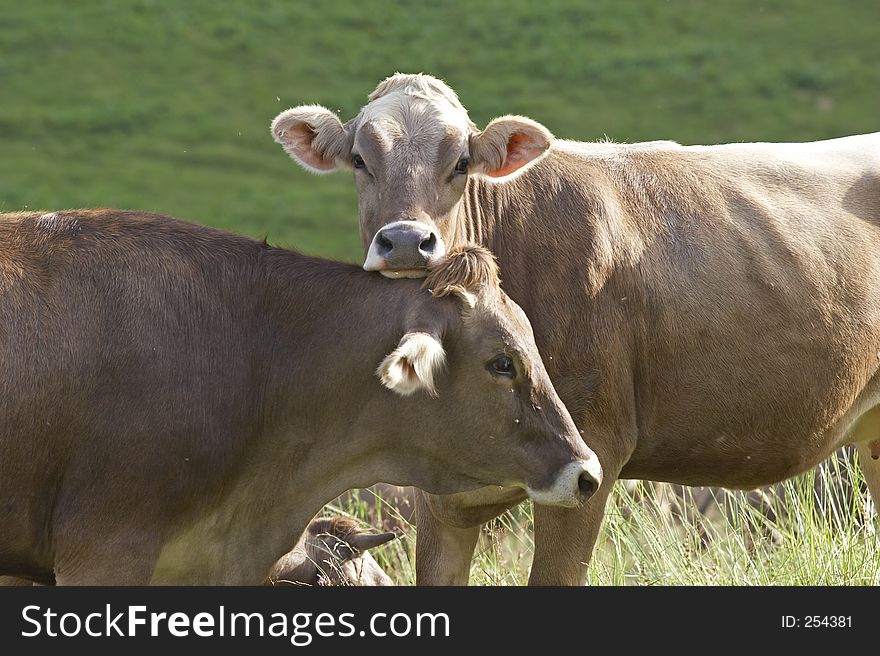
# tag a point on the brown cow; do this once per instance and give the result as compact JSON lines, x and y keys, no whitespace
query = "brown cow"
{"x":332,"y":551}
{"x":176,"y":402}
{"x":710,"y":314}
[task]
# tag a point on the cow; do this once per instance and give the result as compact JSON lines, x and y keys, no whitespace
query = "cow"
{"x":177,"y":402}
{"x":710,"y":315}
{"x":332,"y":551}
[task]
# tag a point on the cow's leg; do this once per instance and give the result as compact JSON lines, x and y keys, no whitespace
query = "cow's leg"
{"x":564,"y":539}
{"x":443,"y":553}
{"x":448,"y":528}
{"x":869,"y":461}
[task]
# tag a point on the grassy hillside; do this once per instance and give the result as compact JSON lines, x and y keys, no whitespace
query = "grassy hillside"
{"x":166,"y":105}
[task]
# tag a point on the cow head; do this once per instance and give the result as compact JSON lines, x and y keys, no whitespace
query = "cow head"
{"x":412,"y":148}
{"x":481,"y":398}
{"x":332,"y":551}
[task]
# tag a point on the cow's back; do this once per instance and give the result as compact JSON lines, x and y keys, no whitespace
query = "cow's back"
{"x":833,"y":174}
{"x":120,"y":363}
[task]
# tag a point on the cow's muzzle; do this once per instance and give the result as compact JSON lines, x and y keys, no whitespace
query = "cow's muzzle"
{"x":404,"y":249}
{"x":574,"y":485}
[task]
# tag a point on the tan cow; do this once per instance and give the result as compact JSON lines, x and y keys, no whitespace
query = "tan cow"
{"x":176,"y":402}
{"x":710,"y":314}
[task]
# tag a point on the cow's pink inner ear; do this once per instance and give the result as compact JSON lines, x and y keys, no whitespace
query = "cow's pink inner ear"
{"x":522,"y":148}
{"x":408,"y":372}
{"x":299,"y":138}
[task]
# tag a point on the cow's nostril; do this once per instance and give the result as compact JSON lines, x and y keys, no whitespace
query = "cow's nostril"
{"x":428,"y":245}
{"x":586,"y":486}
{"x":384,"y":244}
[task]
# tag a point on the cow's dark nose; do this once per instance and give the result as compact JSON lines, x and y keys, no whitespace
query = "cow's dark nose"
{"x":404,"y":246}
{"x":406,"y":240}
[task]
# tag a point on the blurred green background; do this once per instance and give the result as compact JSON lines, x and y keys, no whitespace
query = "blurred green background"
{"x":165,"y":106}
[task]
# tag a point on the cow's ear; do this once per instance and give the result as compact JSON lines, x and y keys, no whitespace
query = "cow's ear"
{"x":413,"y":365}
{"x":314,"y":137}
{"x":507,"y":144}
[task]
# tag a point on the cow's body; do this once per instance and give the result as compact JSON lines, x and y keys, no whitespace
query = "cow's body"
{"x":722,"y":305}
{"x":709,"y":314}
{"x":176,"y":403}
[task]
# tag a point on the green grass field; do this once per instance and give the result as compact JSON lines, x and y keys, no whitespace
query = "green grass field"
{"x":165,"y":106}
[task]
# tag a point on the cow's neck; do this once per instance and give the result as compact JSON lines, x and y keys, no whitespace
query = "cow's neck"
{"x":479,"y":213}
{"x":322,"y":333}
{"x":551,"y":209}
{"x":571,"y":256}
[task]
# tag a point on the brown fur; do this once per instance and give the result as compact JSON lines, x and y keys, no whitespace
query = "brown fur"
{"x":338,"y":525}
{"x":176,"y":402}
{"x":346,"y":566}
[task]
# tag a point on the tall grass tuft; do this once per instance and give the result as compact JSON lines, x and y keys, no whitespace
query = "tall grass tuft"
{"x":816,"y":529}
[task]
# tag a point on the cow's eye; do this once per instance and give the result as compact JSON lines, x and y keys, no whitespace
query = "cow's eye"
{"x":358,"y":162}
{"x":463,"y":165}
{"x":502,"y":365}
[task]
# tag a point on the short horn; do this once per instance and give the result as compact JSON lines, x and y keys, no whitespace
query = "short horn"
{"x":364,"y":541}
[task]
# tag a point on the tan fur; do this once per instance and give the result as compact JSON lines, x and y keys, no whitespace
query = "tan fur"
{"x":419,"y":86}
{"x":465,"y":269}
{"x":710,"y":314}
